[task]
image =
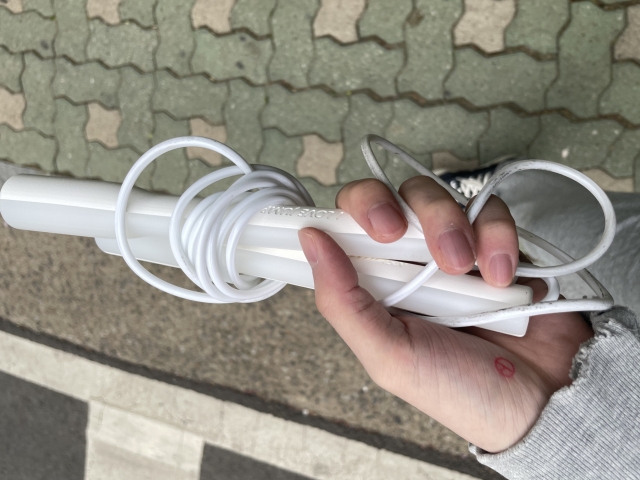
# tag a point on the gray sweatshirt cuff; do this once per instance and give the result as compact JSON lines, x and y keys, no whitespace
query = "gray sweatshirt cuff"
{"x":591,"y":429}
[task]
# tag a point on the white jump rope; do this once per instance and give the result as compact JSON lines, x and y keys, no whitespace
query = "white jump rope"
{"x":207,"y":242}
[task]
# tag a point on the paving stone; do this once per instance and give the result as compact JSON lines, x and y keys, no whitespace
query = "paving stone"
{"x":338,"y":18}
{"x":397,"y":171}
{"x":319,"y":160}
{"x":103,"y":125}
{"x":14,"y":6}
{"x":430,"y":23}
{"x":232,"y":56}
{"x":621,"y":154}
{"x":86,"y":83}
{"x":37,"y":81}
{"x":73,"y":29}
{"x":242,"y":118}
{"x":365,"y":116}
{"x":508,"y":134}
{"x":448,"y":162}
{"x":354,"y":67}
{"x":585,"y":59}
{"x":176,"y":35}
{"x":135,"y":95}
{"x":107,"y":10}
{"x":114,"y":165}
{"x":253,"y":15}
{"x":171,"y":169}
{"x":197,"y":170}
{"x":201,"y":128}
{"x":515,"y":77}
{"x":213,"y":14}
{"x":293,"y":41}
{"x":139,"y":10}
{"x":386,"y":23}
{"x":608,"y":183}
{"x":125,"y":44}
{"x":43,"y":6}
{"x":12,"y":107}
{"x":27,"y":31}
{"x":27,"y":148}
{"x":623,"y":95}
{"x":73,"y":152}
{"x":311,"y":111}
{"x":281,"y":151}
{"x":637,"y":169}
{"x":537,"y":24}
{"x":190,"y":97}
{"x":322,"y":196}
{"x":483,"y":23}
{"x":579,"y":145}
{"x":446,"y":127}
{"x":628,"y":44}
{"x":11,"y":70}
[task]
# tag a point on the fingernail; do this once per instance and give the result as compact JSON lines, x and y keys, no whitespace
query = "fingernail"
{"x":456,"y":249}
{"x":385,"y":219}
{"x":309,"y":248}
{"x":501,"y":269}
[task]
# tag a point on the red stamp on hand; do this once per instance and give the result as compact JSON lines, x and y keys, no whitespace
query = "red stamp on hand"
{"x":504,"y":367}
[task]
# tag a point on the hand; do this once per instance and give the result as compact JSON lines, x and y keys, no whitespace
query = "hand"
{"x":487,"y":387}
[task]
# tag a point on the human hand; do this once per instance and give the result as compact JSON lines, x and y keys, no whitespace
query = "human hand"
{"x":488,"y":387}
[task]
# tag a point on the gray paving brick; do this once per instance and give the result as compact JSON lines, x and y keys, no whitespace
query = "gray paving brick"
{"x":190,"y":97}
{"x":585,"y":59}
{"x":515,"y":77}
{"x":537,"y":24}
{"x":508,"y":133}
{"x":381,"y":21}
{"x":242,"y":118}
{"x":73,"y":29}
{"x":431,"y":23}
{"x":293,"y":40}
{"x":311,"y":111}
{"x":27,"y":31}
{"x":197,"y":170}
{"x":579,"y":145}
{"x":73,"y":152}
{"x":623,"y":95}
{"x":637,"y":179}
{"x":43,"y":6}
{"x":397,"y":171}
{"x":253,"y":15}
{"x":113,"y":165}
{"x":134,"y":97}
{"x":446,"y":127}
{"x":37,"y":82}
{"x":86,"y":83}
{"x":281,"y":151}
{"x":176,"y":35}
{"x":365,"y":116}
{"x":119,"y":45}
{"x":232,"y":56}
{"x":139,"y":10}
{"x":322,"y":195}
{"x":11,"y":70}
{"x":171,"y":169}
{"x":621,"y":154}
{"x":344,"y":68}
{"x":27,"y":148}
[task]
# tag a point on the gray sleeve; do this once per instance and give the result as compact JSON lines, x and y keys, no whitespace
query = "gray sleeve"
{"x":591,"y":429}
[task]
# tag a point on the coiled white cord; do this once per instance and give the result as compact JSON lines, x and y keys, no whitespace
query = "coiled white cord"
{"x":204,"y":245}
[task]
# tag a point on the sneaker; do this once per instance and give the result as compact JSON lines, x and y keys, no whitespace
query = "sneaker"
{"x":470,"y":182}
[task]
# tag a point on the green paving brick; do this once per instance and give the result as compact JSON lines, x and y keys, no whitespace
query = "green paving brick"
{"x":322,"y":196}
{"x":86,"y":83}
{"x":176,"y":35}
{"x":36,"y":80}
{"x":354,"y":67}
{"x":579,"y":145}
{"x":27,"y":31}
{"x":508,"y":134}
{"x":11,"y":70}
{"x":113,"y":165}
{"x":253,"y":15}
{"x":125,"y":44}
{"x":171,"y":169}
{"x":293,"y":40}
{"x":426,"y":130}
{"x":232,"y":56}
{"x":43,"y":6}
{"x":386,"y":23}
{"x":190,"y":97}
{"x":27,"y":148}
{"x":585,"y":59}
{"x":73,"y":152}
{"x":281,"y":151}
{"x":397,"y":171}
{"x":73,"y":29}
{"x":311,"y":111}
{"x":431,"y":23}
{"x":621,"y":154}
{"x":197,"y":170}
{"x":515,"y":78}
{"x":242,"y":119}
{"x":537,"y":24}
{"x":135,"y":95}
{"x":365,"y":116}
{"x":637,"y":169}
{"x":139,"y":10}
{"x":623,"y":95}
